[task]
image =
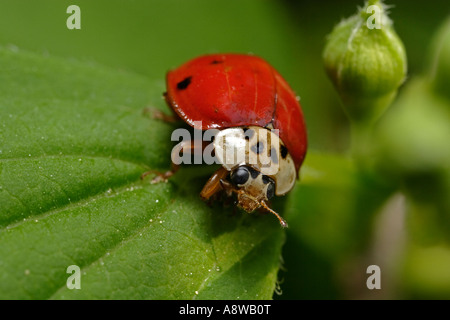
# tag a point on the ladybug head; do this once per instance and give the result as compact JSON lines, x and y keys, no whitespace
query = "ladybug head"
{"x":255,"y":186}
{"x":253,"y":189}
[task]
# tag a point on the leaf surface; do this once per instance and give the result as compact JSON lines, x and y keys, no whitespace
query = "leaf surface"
{"x":74,"y":141}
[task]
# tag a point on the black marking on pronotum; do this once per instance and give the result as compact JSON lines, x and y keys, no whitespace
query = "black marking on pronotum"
{"x":266,"y":179}
{"x":216,"y":62}
{"x":284,"y":151}
{"x":270,"y":190}
{"x":248,"y":133}
{"x":258,"y":148}
{"x":254,"y":173}
{"x":273,"y":155}
{"x":184,"y":83}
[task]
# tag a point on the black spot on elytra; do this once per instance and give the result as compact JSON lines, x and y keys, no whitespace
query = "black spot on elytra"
{"x":184,"y":83}
{"x":284,"y":151}
{"x":216,"y":62}
{"x":273,"y":155}
{"x":258,"y":148}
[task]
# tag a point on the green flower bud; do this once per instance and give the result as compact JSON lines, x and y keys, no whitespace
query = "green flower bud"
{"x":366,"y":61}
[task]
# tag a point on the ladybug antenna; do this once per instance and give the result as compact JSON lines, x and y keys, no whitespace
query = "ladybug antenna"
{"x":228,"y":186}
{"x":282,"y":221}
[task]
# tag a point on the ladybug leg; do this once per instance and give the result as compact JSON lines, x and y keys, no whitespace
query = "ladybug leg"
{"x":157,"y":114}
{"x":230,"y":188}
{"x":163,"y":176}
{"x":182,"y":147}
{"x":160,"y":177}
{"x":214,"y":184}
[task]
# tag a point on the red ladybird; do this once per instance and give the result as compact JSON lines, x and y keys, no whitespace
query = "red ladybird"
{"x":245,"y":98}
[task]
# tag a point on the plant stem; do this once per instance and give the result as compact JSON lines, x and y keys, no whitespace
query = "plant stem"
{"x":360,"y":141}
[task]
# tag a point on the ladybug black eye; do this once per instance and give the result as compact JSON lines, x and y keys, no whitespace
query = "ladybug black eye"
{"x":270,"y":190}
{"x":240,"y":176}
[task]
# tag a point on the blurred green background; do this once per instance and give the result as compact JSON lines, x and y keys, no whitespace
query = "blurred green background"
{"x":150,"y":37}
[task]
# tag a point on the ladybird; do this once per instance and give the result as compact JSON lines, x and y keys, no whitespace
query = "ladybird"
{"x":255,"y":112}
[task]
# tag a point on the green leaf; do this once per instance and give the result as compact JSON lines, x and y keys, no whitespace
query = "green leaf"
{"x":74,"y":142}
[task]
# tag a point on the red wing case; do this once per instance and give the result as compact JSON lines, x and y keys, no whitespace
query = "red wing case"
{"x":231,"y":90}
{"x":222,"y":91}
